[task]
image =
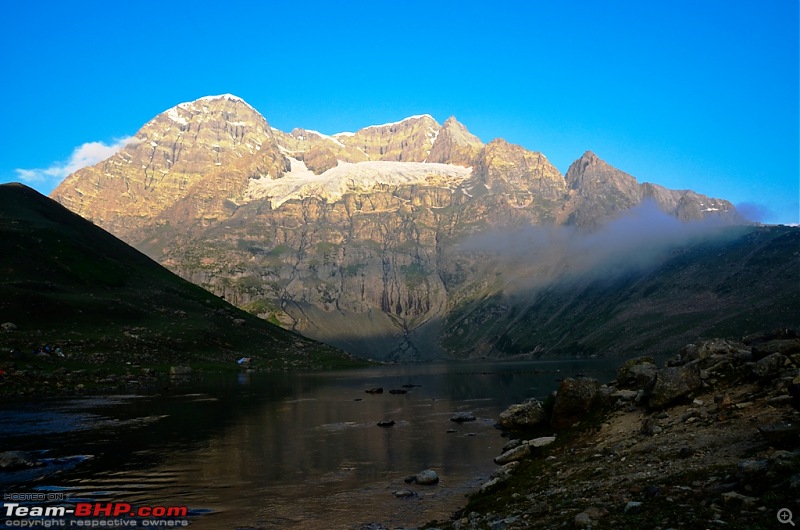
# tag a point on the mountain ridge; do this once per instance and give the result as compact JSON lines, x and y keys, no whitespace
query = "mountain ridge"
{"x":354,"y":231}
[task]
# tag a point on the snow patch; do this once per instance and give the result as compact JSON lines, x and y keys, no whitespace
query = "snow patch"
{"x":177,"y":118}
{"x":189,"y":105}
{"x":416,"y":117}
{"x":326,"y":137}
{"x":348,"y":177}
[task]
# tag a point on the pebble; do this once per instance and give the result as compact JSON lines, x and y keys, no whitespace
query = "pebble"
{"x":582,"y":520}
{"x":633,"y":507}
{"x":404,"y":493}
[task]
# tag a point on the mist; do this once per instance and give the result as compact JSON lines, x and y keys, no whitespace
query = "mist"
{"x":534,"y":256}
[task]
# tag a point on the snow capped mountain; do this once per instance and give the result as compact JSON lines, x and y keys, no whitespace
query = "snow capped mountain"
{"x":349,"y":238}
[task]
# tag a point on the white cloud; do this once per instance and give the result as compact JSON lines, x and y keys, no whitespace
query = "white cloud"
{"x":82,"y":156}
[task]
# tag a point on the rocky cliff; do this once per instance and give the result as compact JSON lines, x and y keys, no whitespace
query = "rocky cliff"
{"x":360,"y":239}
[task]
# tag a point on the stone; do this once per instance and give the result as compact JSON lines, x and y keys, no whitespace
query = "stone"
{"x":386,"y":423}
{"x":574,"y":399}
{"x":769,"y":365}
{"x":404,"y":494}
{"x":781,"y":433}
{"x":672,"y":384}
{"x":180,"y":371}
{"x":427,"y":477}
{"x":788,"y":346}
{"x":523,"y":415}
{"x":8,"y":326}
{"x":488,"y":485}
{"x":542,"y":441}
{"x":709,"y":348}
{"x":505,"y":470}
{"x":732,"y":497}
{"x":461,"y":417}
{"x":625,"y":395}
{"x":595,"y":513}
{"x":636,"y":373}
{"x":582,"y":520}
{"x":747,"y":468}
{"x":633,"y":507}
{"x":517,"y":453}
{"x":377,"y":390}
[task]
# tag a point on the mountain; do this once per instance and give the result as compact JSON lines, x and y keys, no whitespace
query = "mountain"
{"x":66,"y":281}
{"x":371,"y":240}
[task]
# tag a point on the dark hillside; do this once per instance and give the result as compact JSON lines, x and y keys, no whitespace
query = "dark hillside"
{"x":68,"y":283}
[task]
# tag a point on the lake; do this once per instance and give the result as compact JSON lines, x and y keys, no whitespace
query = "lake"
{"x":282,"y":450}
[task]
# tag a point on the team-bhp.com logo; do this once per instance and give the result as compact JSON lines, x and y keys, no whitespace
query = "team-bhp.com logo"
{"x":92,"y":514}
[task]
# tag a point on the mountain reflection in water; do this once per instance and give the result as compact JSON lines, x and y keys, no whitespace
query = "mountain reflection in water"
{"x":285,"y":450}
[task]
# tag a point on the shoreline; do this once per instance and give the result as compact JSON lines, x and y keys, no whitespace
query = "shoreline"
{"x":709,"y":440}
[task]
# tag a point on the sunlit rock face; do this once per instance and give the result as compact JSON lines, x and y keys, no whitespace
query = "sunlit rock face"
{"x":355,"y":238}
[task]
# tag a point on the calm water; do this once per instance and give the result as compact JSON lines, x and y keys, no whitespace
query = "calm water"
{"x":282,"y":450}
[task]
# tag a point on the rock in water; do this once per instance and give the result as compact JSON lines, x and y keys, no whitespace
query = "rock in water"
{"x":427,"y":477}
{"x":461,"y":417}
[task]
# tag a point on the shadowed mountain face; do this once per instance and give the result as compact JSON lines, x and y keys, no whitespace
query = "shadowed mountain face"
{"x":382,"y":241}
{"x":66,"y":281}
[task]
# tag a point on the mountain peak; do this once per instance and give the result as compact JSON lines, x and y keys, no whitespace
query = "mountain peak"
{"x":416,"y":117}
{"x":202,"y":103}
{"x":590,"y":156}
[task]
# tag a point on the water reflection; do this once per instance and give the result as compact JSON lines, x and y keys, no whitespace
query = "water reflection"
{"x":288,"y":450}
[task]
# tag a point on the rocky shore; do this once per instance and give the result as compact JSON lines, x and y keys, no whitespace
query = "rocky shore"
{"x":709,"y":440}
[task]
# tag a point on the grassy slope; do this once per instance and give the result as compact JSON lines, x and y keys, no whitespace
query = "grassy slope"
{"x":65,"y":281}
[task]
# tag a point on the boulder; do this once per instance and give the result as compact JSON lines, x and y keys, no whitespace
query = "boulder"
{"x":522,"y":415}
{"x":784,"y":346}
{"x":636,"y":373}
{"x":711,"y":347}
{"x":386,"y":423}
{"x":512,"y":455}
{"x":8,"y":326}
{"x":574,"y":399}
{"x":672,"y":384}
{"x":769,"y":365}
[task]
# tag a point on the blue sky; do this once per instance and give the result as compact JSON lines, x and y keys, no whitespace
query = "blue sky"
{"x":699,"y":95}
